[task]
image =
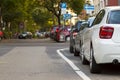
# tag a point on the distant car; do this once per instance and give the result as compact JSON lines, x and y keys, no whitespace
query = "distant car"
{"x":1,"y":35}
{"x":101,"y":42}
{"x":22,"y":35}
{"x":73,"y":34}
{"x":25,"y":35}
{"x":47,"y":34}
{"x":63,"y":34}
{"x":54,"y":30}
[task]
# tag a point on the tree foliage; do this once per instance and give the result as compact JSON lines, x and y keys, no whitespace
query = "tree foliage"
{"x":54,"y":6}
{"x":15,"y":12}
{"x":77,"y":5}
{"x":41,"y":16}
{"x":31,"y":12}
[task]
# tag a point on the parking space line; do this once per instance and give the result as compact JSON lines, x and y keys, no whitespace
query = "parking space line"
{"x":74,"y":67}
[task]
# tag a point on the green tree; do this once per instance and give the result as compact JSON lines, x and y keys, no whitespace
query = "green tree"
{"x":16,"y":11}
{"x":77,"y":5}
{"x":54,"y":6}
{"x":41,"y":16}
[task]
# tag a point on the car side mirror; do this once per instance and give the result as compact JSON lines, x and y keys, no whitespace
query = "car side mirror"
{"x":86,"y":24}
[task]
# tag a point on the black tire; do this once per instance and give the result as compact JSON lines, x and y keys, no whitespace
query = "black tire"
{"x":71,"y":49}
{"x":67,"y":38}
{"x":84,"y":60}
{"x":76,"y":53}
{"x":94,"y":67}
{"x":20,"y":37}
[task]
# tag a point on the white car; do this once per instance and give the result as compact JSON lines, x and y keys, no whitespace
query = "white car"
{"x":101,"y":41}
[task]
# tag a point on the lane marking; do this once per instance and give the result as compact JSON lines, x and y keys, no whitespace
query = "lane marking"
{"x":74,"y":67}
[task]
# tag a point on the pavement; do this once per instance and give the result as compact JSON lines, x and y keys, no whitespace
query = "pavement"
{"x":34,"y":63}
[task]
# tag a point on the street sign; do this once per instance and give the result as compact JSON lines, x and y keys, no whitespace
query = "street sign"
{"x":89,"y":7}
{"x":63,"y":5}
{"x":66,"y":16}
{"x":63,"y":10}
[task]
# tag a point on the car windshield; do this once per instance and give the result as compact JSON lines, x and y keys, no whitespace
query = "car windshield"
{"x":114,"y":17}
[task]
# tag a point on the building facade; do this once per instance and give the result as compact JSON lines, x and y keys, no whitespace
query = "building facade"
{"x":99,"y":4}
{"x":112,"y":2}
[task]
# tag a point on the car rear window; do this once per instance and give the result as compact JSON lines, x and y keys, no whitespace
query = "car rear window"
{"x":114,"y":17}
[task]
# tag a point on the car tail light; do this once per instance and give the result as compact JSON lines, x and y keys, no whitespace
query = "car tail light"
{"x":74,"y":34}
{"x":106,"y":32}
{"x":57,"y":30}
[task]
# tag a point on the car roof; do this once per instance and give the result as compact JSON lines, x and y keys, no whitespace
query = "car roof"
{"x":112,"y":8}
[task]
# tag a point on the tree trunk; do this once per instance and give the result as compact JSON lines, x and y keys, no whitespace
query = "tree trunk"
{"x":59,"y":21}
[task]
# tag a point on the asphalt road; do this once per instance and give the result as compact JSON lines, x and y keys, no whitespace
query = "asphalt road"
{"x":38,"y":59}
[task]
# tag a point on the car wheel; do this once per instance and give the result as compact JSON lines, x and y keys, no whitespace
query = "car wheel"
{"x":20,"y":37}
{"x":71,"y":49}
{"x":83,"y":59}
{"x":94,"y":67}
{"x":76,"y":53}
{"x":67,"y":38}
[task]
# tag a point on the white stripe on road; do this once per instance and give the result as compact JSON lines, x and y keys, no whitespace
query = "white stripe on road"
{"x":75,"y":68}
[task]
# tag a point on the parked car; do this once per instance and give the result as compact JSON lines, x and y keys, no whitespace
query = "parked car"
{"x":25,"y":35}
{"x":1,"y":35}
{"x":78,"y":38}
{"x":101,"y":41}
{"x":54,"y":31}
{"x":73,"y":34}
{"x":63,"y":34}
{"x":47,"y":34}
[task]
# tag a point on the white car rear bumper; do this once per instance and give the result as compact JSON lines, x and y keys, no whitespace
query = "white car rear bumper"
{"x":105,"y":51}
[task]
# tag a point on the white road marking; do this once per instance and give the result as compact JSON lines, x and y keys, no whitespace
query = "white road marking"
{"x":75,"y":68}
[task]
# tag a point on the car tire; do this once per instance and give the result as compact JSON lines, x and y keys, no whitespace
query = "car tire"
{"x":20,"y":37}
{"x":76,"y":53}
{"x":71,"y":49}
{"x":84,"y":60}
{"x":94,"y":67}
{"x":67,"y":38}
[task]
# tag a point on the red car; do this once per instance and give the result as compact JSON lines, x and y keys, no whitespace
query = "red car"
{"x":63,"y":34}
{"x":1,"y":35}
{"x":54,"y":30}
